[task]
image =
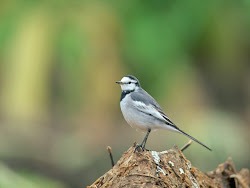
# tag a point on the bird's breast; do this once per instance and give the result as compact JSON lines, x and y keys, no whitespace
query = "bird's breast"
{"x":134,"y":118}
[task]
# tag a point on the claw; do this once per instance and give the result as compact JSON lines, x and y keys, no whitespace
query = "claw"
{"x":138,"y":147}
{"x":143,"y":144}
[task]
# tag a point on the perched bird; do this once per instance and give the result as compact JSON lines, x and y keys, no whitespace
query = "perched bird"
{"x":142,"y":112}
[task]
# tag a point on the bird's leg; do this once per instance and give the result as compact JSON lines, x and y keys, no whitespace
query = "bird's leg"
{"x":145,"y":140}
{"x":143,"y":144}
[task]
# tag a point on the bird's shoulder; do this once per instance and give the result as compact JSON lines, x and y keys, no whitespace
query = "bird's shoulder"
{"x":142,"y":96}
{"x":148,"y":104}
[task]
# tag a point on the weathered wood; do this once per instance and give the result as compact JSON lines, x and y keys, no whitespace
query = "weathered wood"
{"x":168,"y":169}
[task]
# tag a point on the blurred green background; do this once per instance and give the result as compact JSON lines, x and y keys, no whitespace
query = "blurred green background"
{"x":59,"y":104}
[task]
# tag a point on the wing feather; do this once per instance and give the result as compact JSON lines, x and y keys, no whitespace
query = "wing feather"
{"x":147,"y":104}
{"x":148,"y":109}
{"x":168,"y":121}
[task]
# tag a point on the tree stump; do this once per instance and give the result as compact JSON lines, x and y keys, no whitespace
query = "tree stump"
{"x":169,"y":169}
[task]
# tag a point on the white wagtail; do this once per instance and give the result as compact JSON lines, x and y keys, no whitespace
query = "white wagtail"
{"x":142,"y":112}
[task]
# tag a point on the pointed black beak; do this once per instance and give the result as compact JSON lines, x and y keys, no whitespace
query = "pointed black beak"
{"x":119,"y":82}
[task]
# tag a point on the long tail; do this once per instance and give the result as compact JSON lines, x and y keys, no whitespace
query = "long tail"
{"x":194,"y":139}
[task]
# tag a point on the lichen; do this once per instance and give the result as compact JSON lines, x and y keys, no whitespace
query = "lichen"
{"x":181,"y":171}
{"x":170,"y":162}
{"x":157,"y":160}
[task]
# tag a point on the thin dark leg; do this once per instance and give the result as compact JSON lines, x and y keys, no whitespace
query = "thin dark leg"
{"x":143,"y":144}
{"x":145,"y":139}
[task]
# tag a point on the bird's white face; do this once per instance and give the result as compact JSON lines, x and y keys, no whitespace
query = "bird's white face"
{"x":128,"y":84}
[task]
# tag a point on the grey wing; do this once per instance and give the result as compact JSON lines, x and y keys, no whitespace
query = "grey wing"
{"x":146,"y":103}
{"x":142,"y":96}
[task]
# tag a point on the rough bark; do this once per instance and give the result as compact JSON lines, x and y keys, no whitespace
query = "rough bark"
{"x":169,"y":169}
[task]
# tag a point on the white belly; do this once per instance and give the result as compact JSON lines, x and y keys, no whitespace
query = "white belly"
{"x":137,"y":119}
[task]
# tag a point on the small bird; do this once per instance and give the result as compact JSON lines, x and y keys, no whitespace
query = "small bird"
{"x":141,"y":111}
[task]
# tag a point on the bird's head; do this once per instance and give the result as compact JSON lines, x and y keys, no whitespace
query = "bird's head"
{"x":129,"y":83}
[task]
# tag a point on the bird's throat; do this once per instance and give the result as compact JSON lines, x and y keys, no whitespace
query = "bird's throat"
{"x":124,"y":93}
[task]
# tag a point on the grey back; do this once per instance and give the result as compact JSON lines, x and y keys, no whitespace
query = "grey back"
{"x":142,"y":96}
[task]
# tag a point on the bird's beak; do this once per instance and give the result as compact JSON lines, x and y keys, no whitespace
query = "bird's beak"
{"x":119,"y":82}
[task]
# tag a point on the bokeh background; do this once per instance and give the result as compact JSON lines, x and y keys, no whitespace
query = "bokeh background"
{"x":59,"y":104}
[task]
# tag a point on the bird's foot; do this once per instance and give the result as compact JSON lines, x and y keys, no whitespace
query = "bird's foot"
{"x":140,"y":148}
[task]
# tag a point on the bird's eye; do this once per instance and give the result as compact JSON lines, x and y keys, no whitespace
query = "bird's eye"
{"x":129,"y":82}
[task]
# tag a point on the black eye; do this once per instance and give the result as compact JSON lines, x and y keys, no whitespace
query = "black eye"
{"x":129,"y":82}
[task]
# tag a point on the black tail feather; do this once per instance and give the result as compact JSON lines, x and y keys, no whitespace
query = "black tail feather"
{"x":194,"y":139}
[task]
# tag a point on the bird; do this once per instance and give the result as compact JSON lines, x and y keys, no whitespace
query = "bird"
{"x":141,"y":111}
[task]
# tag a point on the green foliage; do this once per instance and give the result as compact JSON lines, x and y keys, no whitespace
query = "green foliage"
{"x":10,"y":179}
